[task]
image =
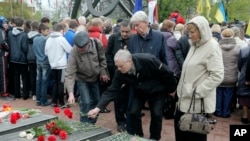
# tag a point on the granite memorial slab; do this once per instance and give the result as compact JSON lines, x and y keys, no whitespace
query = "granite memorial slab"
{"x":27,"y":123}
{"x":91,"y":135}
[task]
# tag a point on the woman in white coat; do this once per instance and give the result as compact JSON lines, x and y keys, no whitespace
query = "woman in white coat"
{"x":202,"y":72}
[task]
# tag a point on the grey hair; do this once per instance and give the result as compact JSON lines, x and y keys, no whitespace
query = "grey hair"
{"x":123,"y":55}
{"x":139,"y":16}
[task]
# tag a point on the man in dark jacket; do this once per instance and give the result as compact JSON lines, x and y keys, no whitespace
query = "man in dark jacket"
{"x":146,"y":40}
{"x":116,"y":42}
{"x":18,"y":42}
{"x":151,"y":79}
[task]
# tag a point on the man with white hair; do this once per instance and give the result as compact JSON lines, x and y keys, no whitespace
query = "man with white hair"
{"x":146,"y":40}
{"x":151,"y":79}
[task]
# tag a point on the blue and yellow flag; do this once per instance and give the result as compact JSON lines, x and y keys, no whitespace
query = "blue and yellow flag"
{"x":220,"y":14}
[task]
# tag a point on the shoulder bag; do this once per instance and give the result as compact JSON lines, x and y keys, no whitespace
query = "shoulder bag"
{"x":195,"y":122}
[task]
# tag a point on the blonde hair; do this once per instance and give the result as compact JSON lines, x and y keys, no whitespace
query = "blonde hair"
{"x":179,"y":27}
{"x":216,"y":28}
{"x":96,"y":22}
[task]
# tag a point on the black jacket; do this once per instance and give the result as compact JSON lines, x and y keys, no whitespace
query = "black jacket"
{"x":31,"y":55}
{"x":182,"y":49}
{"x":152,"y":78}
{"x":248,"y":68}
{"x":18,"y":42}
{"x":115,"y":42}
{"x":154,"y":43}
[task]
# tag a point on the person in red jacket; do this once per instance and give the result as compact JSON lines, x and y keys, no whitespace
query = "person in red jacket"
{"x":95,"y":31}
{"x":176,"y":17}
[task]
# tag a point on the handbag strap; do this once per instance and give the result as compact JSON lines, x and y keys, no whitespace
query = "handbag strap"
{"x":193,"y":102}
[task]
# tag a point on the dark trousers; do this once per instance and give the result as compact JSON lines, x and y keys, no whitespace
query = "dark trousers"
{"x":155,"y":102}
{"x":32,"y":77}
{"x":183,"y":135}
{"x":57,"y":94}
{"x":3,"y":74}
{"x":20,"y":70}
{"x":121,"y":104}
{"x":223,"y":101}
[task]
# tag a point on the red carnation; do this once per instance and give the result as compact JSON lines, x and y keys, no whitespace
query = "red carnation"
{"x":52,"y":138}
{"x":70,"y":115}
{"x":66,"y":111}
{"x":57,"y":110}
{"x":18,"y":116}
{"x":56,"y":131}
{"x":63,"y":135}
{"x":41,"y":138}
{"x":13,"y":119}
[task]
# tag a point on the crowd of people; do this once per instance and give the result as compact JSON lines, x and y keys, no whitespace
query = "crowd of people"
{"x":133,"y":63}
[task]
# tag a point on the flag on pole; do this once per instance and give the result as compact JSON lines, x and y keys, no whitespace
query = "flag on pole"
{"x":152,"y":11}
{"x":220,"y":14}
{"x":138,"y":5}
{"x":208,"y":7}
{"x":248,"y":29}
{"x":199,"y":7}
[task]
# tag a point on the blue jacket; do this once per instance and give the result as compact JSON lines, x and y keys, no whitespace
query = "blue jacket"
{"x":69,"y":35}
{"x":154,"y":43}
{"x":18,"y":42}
{"x":39,"y":49}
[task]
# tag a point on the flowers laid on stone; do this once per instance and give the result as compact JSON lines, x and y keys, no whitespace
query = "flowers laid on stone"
{"x":57,"y":129}
{"x":7,"y":113}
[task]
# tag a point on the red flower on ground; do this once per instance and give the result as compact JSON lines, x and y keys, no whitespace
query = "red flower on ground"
{"x":63,"y":135}
{"x":52,"y":138}
{"x":70,"y":115}
{"x":57,"y":110}
{"x":66,"y":111}
{"x":41,"y":138}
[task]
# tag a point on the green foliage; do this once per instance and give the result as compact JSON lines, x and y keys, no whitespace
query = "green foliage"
{"x":63,"y":125}
{"x":10,"y":9}
{"x":237,"y":9}
{"x":39,"y":131}
{"x":183,"y":6}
